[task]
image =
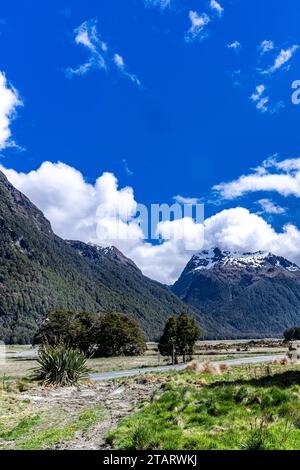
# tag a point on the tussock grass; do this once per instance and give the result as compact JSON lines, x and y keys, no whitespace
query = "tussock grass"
{"x":247,"y":408}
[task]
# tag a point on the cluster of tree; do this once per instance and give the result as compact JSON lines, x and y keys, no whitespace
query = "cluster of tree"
{"x":292,"y":334}
{"x":179,"y":338}
{"x":112,"y":334}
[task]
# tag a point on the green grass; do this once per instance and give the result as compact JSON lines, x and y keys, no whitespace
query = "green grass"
{"x":249,"y":409}
{"x":39,"y":438}
{"x":21,"y":429}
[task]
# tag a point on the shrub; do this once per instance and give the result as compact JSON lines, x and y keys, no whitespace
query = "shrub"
{"x":60,"y":365}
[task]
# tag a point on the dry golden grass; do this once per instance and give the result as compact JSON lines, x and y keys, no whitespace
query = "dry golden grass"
{"x":206,"y":368}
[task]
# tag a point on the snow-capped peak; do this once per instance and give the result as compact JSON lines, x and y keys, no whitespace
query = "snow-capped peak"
{"x":207,"y":259}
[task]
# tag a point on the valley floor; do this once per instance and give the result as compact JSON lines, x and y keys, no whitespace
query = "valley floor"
{"x":248,"y":407}
{"x":20,"y":360}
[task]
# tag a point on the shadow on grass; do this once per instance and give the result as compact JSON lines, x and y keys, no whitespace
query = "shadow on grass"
{"x":282,"y":380}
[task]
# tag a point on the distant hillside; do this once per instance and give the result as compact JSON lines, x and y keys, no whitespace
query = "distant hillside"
{"x":40,"y":272}
{"x":245,"y":294}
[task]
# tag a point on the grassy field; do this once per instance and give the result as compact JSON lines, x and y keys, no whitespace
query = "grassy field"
{"x":246,"y":408}
{"x":22,"y":427}
{"x":250,"y":408}
{"x":17,"y":366}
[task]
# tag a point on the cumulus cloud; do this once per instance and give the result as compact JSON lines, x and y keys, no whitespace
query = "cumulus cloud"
{"x":101,"y":212}
{"x":104,"y":214}
{"x":235,"y":46}
{"x":9,"y":101}
{"x":239,"y":229}
{"x":284,"y":56}
{"x":266,"y":46}
{"x":198,"y":25}
{"x":269,"y":207}
{"x":281,"y":177}
{"x":69,"y":202}
{"x":87,"y":35}
{"x":215,"y":6}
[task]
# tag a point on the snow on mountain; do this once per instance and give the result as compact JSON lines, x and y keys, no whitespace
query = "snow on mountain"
{"x":250,"y":295}
{"x":207,"y":259}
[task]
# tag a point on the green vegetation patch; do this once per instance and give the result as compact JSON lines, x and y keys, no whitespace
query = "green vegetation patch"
{"x":250,"y":409}
{"x":22,"y":429}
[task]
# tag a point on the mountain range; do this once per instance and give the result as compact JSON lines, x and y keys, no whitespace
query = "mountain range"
{"x":247,"y":294}
{"x":231,"y":294}
{"x":40,"y":272}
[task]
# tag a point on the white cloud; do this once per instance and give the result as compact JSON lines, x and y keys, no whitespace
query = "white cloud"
{"x":197,"y":28}
{"x":71,"y":204}
{"x":158,"y":3}
{"x":236,"y":46}
{"x":262,"y":103}
{"x":266,"y":46}
{"x":214,"y":5}
{"x":121,"y":66}
{"x":284,"y":56}
{"x":186,"y":200}
{"x":104,"y":214}
{"x":238,"y":229}
{"x":87,"y":36}
{"x":119,"y":61}
{"x":281,"y":177}
{"x":259,"y":90}
{"x":9,"y":101}
{"x":128,"y":171}
{"x":80,"y":69}
{"x":269,"y":207}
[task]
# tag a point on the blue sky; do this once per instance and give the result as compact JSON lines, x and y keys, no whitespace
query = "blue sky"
{"x":172,"y":98}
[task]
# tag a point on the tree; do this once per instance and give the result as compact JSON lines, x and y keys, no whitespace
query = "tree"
{"x":292,"y":334}
{"x":77,"y":330}
{"x":187,"y":334}
{"x":119,"y":335}
{"x":179,"y":337}
{"x":167,"y":345}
